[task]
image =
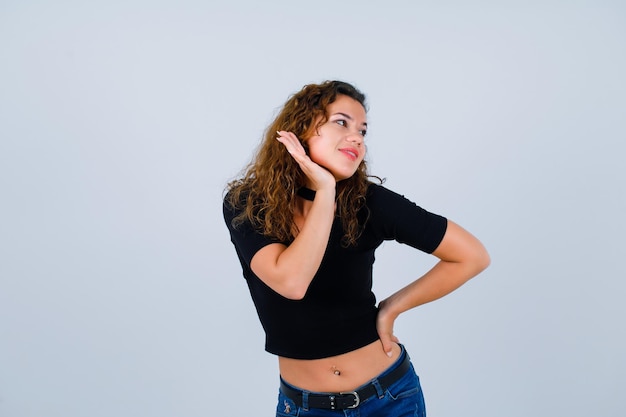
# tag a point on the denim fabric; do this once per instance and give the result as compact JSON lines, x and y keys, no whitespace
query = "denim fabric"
{"x":403,"y":398}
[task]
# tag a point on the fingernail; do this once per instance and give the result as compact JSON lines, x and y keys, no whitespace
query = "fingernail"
{"x":390,"y":354}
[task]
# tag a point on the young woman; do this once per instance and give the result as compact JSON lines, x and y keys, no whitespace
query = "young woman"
{"x":305,"y":221}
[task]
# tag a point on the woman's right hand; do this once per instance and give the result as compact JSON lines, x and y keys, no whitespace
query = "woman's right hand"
{"x":289,"y":269}
{"x":318,"y":175}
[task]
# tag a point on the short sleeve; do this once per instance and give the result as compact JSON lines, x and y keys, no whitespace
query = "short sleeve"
{"x":247,"y":240}
{"x":394,"y":217}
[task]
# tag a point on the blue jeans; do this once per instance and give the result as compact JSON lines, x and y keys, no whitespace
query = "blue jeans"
{"x":403,"y":398}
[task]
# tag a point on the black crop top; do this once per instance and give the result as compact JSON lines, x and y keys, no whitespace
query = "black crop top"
{"x":338,"y":312}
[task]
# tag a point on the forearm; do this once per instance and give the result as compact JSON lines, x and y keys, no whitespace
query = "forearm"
{"x":303,"y":256}
{"x":462,"y":257}
{"x":289,"y":270}
{"x":441,"y":280}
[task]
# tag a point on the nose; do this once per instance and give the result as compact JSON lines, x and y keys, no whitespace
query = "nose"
{"x":355,"y":137}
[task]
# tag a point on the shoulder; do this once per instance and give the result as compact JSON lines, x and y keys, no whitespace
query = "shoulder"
{"x":233,"y":204}
{"x":380,"y":196}
{"x":388,"y":203}
{"x":374,"y":189}
{"x":228,"y":205}
{"x":394,"y":216}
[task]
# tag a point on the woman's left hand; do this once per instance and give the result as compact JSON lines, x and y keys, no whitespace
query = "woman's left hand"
{"x":461,"y":255}
{"x":384,"y":326}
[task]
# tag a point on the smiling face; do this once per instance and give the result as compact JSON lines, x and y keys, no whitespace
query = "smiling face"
{"x":337,"y":145}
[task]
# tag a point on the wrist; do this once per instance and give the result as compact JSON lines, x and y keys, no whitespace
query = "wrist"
{"x":386,"y":309}
{"x":326,"y":192}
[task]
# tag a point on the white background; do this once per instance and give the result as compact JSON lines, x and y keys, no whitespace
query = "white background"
{"x":122,"y":121}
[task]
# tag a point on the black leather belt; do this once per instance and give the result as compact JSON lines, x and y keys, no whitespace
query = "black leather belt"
{"x":344,"y":400}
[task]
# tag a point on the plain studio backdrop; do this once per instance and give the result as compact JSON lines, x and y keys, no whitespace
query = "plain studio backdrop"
{"x":122,"y":121}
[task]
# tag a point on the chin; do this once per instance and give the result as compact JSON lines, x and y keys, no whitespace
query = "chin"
{"x":342,"y":174}
{"x":343,"y":177}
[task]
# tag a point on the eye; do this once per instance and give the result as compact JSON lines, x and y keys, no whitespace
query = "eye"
{"x":341,"y":122}
{"x":363,"y":132}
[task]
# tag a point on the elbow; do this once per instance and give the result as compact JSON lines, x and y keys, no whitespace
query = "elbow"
{"x":482,"y":260}
{"x":290,"y":293}
{"x":485,"y":261}
{"x":294,"y":294}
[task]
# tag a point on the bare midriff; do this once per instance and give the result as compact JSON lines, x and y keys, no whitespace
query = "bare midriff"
{"x":339,"y":373}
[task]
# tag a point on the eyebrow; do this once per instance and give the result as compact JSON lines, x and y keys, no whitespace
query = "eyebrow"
{"x":347,"y":116}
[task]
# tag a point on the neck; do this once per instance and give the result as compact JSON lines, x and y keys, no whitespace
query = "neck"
{"x":306,"y":193}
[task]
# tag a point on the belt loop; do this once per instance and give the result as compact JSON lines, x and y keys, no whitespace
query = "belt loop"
{"x":379,"y":389}
{"x":305,"y":400}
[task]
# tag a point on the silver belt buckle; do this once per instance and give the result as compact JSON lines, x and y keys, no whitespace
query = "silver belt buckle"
{"x":357,"y":399}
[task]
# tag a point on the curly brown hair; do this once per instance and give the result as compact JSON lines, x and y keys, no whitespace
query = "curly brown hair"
{"x":266,"y":192}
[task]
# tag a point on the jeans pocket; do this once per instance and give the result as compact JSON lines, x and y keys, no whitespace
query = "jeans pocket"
{"x":286,"y":407}
{"x":406,"y":396}
{"x":406,"y":386}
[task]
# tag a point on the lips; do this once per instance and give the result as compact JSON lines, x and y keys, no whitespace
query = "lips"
{"x":350,"y":153}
